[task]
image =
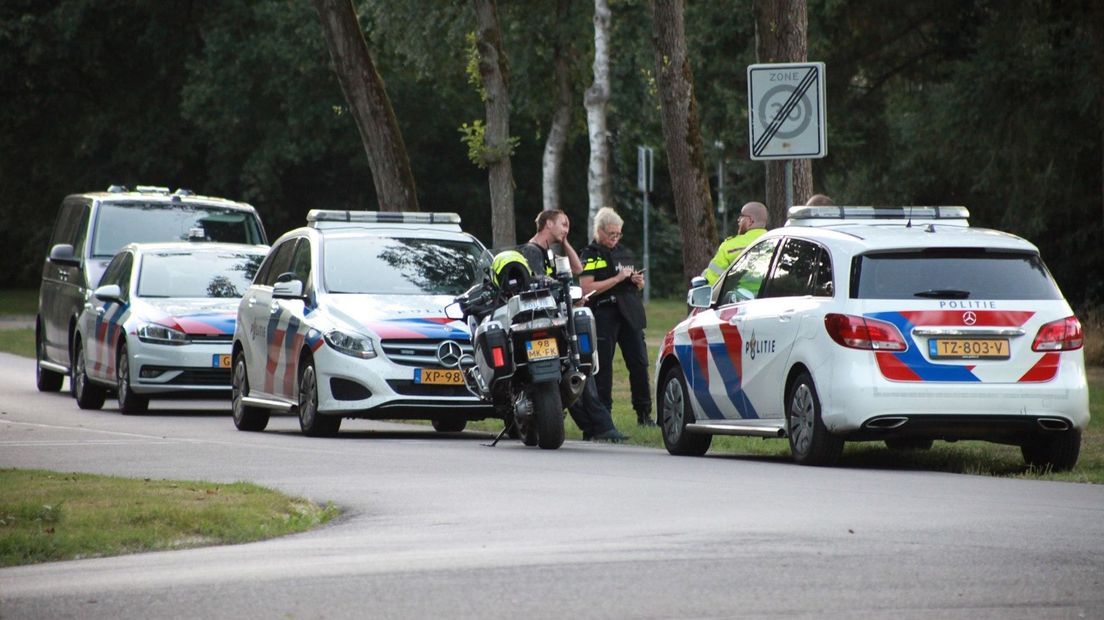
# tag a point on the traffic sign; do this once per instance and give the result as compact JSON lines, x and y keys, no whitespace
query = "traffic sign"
{"x":786,"y":113}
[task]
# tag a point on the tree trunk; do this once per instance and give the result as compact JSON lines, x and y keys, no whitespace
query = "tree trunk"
{"x":682,"y":136}
{"x":596,"y":100}
{"x":371,"y":108}
{"x":561,"y":116}
{"x":496,"y":140}
{"x":781,"y":36}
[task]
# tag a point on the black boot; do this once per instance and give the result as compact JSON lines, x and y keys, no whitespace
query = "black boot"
{"x":644,"y":418}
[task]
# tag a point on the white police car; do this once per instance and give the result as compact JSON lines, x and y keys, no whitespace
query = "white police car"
{"x":345,"y":319}
{"x":160,"y":323}
{"x":903,"y":325}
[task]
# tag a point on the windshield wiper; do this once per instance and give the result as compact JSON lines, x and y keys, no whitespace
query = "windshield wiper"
{"x":943,"y":293}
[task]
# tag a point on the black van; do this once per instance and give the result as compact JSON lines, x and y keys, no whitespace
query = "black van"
{"x":89,"y":230}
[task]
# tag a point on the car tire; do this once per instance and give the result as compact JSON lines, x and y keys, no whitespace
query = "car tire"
{"x":549,"y":414}
{"x":1057,"y":454}
{"x":310,"y":421}
{"x":88,"y":394}
{"x":898,"y":445}
{"x":449,"y":425}
{"x":45,"y":380}
{"x":129,"y":402}
{"x":810,"y":441}
{"x":675,"y":413}
{"x":246,"y":417}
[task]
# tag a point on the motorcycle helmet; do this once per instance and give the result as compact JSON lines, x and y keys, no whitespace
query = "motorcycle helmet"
{"x":510,"y":272}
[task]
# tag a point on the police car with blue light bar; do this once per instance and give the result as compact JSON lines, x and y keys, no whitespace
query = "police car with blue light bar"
{"x":345,"y":319}
{"x":896,"y":324}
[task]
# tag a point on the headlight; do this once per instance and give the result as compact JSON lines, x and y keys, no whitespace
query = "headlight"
{"x":351,"y":344}
{"x":159,"y":334}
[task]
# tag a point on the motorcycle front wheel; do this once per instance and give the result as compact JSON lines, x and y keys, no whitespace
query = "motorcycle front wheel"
{"x":548,"y":411}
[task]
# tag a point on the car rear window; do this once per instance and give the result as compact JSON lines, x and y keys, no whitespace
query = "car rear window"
{"x":400,"y":266}
{"x":118,"y":224}
{"x":950,"y":273}
{"x":197,"y":274}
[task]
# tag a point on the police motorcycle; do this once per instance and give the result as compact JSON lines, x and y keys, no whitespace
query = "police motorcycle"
{"x":533,"y":349}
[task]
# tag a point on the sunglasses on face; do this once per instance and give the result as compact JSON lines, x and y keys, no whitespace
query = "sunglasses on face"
{"x":612,"y":235}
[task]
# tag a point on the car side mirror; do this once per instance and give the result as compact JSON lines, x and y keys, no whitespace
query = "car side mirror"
{"x":62,"y":254}
{"x":292,"y":289}
{"x":453,"y":311}
{"x":697,"y":281}
{"x":699,"y":296}
{"x":108,"y":292}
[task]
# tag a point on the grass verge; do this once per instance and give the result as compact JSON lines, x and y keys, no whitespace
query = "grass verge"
{"x":48,"y":516}
{"x":19,"y":301}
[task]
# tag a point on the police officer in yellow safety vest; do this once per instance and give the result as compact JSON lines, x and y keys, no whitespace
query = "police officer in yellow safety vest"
{"x":752,"y":223}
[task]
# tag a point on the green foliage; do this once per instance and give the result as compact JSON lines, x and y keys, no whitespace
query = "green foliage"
{"x":479,"y":152}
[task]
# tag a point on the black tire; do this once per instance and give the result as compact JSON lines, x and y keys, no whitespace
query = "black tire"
{"x":45,"y":380}
{"x":1057,"y":454}
{"x":897,"y":445}
{"x":129,"y":402}
{"x":675,"y":412}
{"x":449,"y":425}
{"x":810,"y":441}
{"x":88,"y":394}
{"x":310,"y":421}
{"x":549,"y":414}
{"x":246,"y":417}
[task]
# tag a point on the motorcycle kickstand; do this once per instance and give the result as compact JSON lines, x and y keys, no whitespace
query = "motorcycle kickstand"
{"x":500,"y":434}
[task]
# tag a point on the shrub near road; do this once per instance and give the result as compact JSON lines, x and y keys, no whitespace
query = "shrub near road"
{"x":49,"y":516}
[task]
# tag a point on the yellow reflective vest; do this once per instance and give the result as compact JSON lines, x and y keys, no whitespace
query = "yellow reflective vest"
{"x":728,"y":251}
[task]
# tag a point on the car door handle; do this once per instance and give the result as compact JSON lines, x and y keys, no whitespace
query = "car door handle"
{"x":274,"y":308}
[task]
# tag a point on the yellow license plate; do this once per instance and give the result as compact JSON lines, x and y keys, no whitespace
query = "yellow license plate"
{"x":541,"y":349}
{"x":220,"y":360}
{"x":438,"y":376}
{"x":968,"y":348}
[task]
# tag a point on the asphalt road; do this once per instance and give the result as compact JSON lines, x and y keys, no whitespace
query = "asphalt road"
{"x":440,"y":526}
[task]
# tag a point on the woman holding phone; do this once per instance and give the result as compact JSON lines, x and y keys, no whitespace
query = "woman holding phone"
{"x":614,"y":280}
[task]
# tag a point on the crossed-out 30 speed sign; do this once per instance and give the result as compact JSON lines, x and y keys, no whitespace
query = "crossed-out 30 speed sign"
{"x":786,"y":117}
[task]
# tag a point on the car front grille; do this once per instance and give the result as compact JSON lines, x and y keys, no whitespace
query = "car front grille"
{"x":407,"y":387}
{"x":420,"y":353}
{"x":211,"y":338}
{"x":191,"y":376}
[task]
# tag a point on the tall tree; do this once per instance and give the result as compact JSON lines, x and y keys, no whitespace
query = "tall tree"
{"x":780,"y":36}
{"x":368,"y":101}
{"x":682,"y":136}
{"x":596,"y":101}
{"x":497,"y":144}
{"x":552,"y":161}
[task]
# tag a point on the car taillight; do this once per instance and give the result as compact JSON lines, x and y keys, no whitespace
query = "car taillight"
{"x":856,"y":332}
{"x":498,"y":356}
{"x":1061,"y":335}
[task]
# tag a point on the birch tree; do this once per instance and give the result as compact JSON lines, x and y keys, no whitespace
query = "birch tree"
{"x":596,"y":101}
{"x":682,"y":136}
{"x":552,"y":162}
{"x":497,"y":144}
{"x":781,"y":28}
{"x":371,"y":108}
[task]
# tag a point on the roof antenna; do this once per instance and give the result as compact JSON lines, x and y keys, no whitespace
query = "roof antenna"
{"x":908,"y":224}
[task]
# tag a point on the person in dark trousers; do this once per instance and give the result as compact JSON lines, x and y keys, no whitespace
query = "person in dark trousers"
{"x":614,"y":281}
{"x":590,"y":415}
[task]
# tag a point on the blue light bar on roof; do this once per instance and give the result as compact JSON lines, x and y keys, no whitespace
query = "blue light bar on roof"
{"x":382,"y":217}
{"x":879,"y":213}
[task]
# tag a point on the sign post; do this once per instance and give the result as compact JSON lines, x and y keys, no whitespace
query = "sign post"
{"x":786,"y":114}
{"x":645,"y":182}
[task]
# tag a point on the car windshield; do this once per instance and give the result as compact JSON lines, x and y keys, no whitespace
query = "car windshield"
{"x":952,"y":273}
{"x":404,"y":266}
{"x":118,"y":224}
{"x":197,"y":274}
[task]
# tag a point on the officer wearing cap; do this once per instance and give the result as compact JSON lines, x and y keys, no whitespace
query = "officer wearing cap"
{"x":751,"y":224}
